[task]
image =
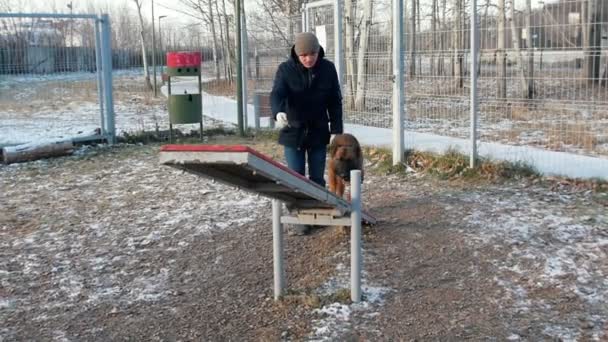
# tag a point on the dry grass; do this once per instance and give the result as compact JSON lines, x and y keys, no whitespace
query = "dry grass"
{"x":220,"y":88}
{"x":450,"y":166}
{"x":575,"y":134}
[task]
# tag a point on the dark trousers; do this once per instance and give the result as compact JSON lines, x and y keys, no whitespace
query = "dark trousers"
{"x":296,"y":160}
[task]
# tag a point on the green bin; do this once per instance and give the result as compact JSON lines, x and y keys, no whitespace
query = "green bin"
{"x":185,"y":108}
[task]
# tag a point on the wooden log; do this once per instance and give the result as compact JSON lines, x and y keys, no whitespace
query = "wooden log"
{"x":37,"y":150}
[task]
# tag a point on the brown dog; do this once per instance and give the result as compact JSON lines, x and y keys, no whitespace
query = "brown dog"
{"x":344,"y":155}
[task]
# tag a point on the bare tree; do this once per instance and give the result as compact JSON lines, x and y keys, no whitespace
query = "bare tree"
{"x":412,"y":61}
{"x":125,"y":32}
{"x":223,"y":42}
{"x":484,"y":19}
{"x":229,"y":50}
{"x":516,"y":41}
{"x":276,"y":16}
{"x":361,"y":60}
{"x":216,"y":62}
{"x":138,"y":3}
{"x":434,"y":35}
{"x":349,"y":47}
{"x":245,"y":42}
{"x":442,"y":38}
{"x":205,"y":12}
{"x":592,"y":41}
{"x":530,"y":51}
{"x":457,"y":40}
{"x":501,"y":57}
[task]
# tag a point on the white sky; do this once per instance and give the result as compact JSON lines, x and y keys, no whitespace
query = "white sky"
{"x":161,"y":7}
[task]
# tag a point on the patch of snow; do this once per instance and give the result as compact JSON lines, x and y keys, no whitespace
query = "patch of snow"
{"x":335,"y":317}
{"x":550,"y":247}
{"x":149,"y":288}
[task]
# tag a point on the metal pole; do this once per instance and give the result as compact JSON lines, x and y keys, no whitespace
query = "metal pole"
{"x":256,"y":110}
{"x":160,"y":47}
{"x":239,"y":69}
{"x":154,"y":51}
{"x":473,"y":72}
{"x":339,"y":59}
{"x":355,"y":236}
{"x":398,"y":88}
{"x":98,"y":64}
{"x":245,"y":59}
{"x":277,"y":250}
{"x":106,"y":61}
{"x":304,"y":19}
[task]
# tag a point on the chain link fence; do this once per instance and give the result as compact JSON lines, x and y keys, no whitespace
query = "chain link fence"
{"x":45,"y":71}
{"x":542,"y":70}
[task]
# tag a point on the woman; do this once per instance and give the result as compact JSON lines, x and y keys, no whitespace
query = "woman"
{"x":307,"y":103}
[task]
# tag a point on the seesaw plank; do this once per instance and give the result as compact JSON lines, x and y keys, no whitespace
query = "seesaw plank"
{"x":248,"y":169}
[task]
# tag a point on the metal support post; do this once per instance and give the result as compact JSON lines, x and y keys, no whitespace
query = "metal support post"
{"x":154,"y":52}
{"x":98,"y":65}
{"x":239,"y":68}
{"x":256,"y":111}
{"x":398,"y":91}
{"x":355,"y":236}
{"x":473,"y":72}
{"x":304,"y":18}
{"x":277,"y":250}
{"x":245,"y":59}
{"x":106,"y":61}
{"x":339,"y":59}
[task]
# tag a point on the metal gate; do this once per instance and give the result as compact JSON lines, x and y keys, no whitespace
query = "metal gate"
{"x":55,"y":78}
{"x":324,"y":19}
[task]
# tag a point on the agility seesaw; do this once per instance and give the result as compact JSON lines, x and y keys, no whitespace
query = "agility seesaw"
{"x":250,"y":170}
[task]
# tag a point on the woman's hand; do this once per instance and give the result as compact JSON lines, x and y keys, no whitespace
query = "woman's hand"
{"x":282,"y":120}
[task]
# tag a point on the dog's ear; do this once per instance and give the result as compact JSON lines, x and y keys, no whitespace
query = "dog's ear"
{"x":359,"y":152}
{"x":333,"y":147}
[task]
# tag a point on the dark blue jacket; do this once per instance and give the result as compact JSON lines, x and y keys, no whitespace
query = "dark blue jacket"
{"x":312,"y":100}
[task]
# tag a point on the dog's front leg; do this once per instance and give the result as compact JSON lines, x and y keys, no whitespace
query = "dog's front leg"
{"x":340,"y":187}
{"x":331,"y":177}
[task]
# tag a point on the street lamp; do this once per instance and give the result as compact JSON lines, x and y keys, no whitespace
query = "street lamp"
{"x":160,"y":38}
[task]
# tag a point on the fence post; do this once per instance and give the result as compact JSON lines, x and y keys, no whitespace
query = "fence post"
{"x":473,"y":72}
{"x":277,"y":250}
{"x":355,"y":236}
{"x":256,"y":110}
{"x":304,"y":19}
{"x":98,"y":65}
{"x":398,"y":88}
{"x":106,"y":60}
{"x":245,"y":70}
{"x":239,"y":67}
{"x":339,"y":59}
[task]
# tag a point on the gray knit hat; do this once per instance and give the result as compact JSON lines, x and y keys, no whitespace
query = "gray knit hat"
{"x":306,"y":43}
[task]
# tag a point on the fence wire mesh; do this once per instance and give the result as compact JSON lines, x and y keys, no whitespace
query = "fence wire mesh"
{"x":47,"y":65}
{"x":542,"y":73}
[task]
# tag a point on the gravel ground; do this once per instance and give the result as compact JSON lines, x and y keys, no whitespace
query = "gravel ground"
{"x":109,"y":245}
